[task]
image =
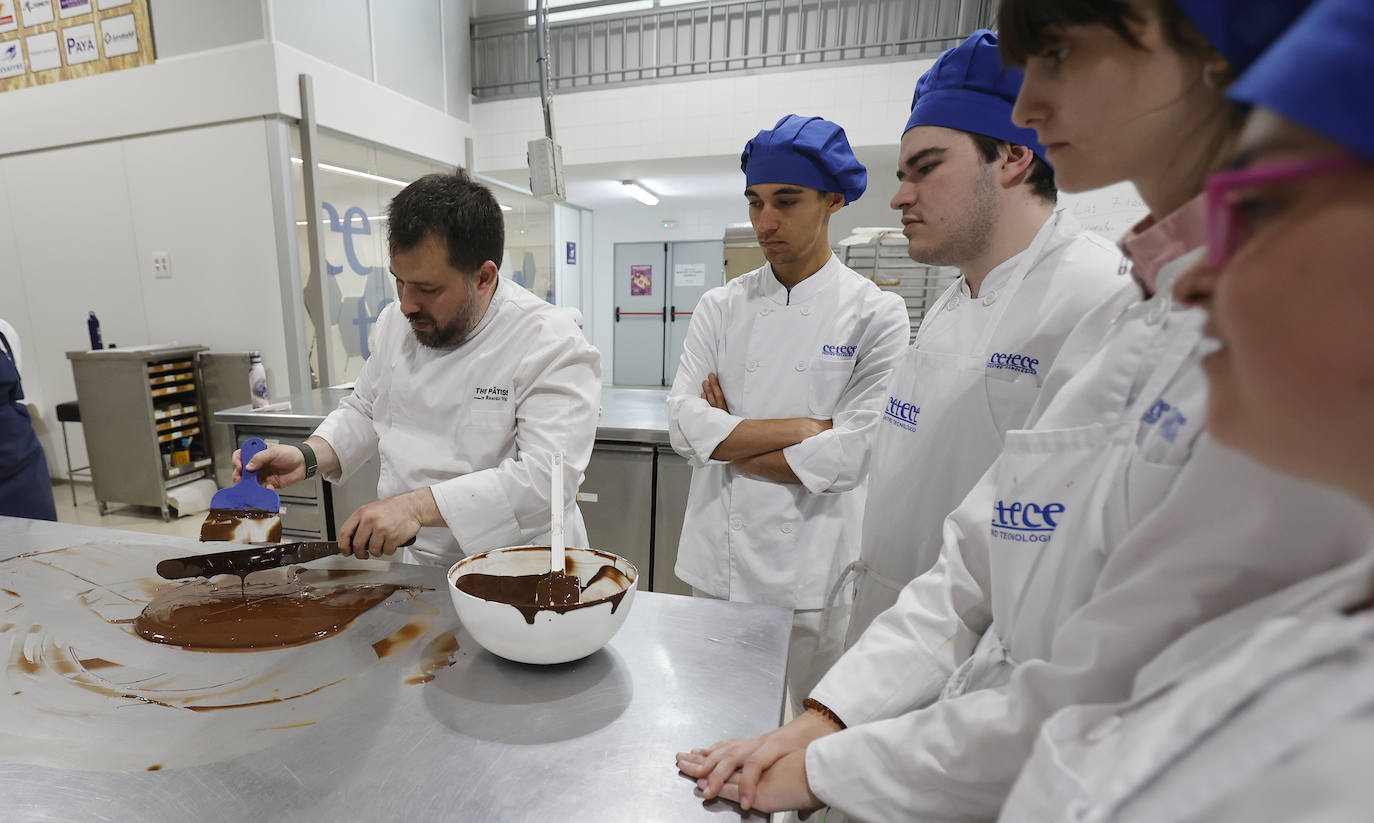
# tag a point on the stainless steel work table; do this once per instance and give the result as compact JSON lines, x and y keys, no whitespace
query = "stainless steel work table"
{"x":485,"y":739}
{"x":627,"y":415}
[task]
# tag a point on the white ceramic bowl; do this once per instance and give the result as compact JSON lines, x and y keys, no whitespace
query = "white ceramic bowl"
{"x":554,"y":637}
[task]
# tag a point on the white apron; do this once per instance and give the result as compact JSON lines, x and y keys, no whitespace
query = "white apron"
{"x":940,"y":424}
{"x":1044,"y":515}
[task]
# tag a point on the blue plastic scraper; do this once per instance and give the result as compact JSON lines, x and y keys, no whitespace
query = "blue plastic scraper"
{"x":245,"y":512}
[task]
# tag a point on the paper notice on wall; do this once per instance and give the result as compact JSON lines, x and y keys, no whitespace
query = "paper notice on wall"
{"x":118,"y":35}
{"x":34,"y":12}
{"x":9,"y":20}
{"x":80,"y":44}
{"x":641,"y":281}
{"x":689,"y":274}
{"x":71,"y":8}
{"x":44,"y":51}
{"x":11,"y":58}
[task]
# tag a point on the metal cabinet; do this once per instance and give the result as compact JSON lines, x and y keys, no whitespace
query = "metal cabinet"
{"x":673,"y":476}
{"x":617,"y":503}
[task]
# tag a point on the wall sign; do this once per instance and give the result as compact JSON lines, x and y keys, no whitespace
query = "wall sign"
{"x":35,"y":12}
{"x":63,"y":40}
{"x":689,"y":274}
{"x":641,"y":281}
{"x":572,"y":254}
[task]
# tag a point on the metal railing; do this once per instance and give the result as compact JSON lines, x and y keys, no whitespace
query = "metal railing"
{"x":713,"y":36}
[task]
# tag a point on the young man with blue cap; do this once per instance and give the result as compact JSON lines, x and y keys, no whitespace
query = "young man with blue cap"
{"x":1111,"y":525}
{"x":1275,"y":722}
{"x":778,"y":391}
{"x":976,"y":193}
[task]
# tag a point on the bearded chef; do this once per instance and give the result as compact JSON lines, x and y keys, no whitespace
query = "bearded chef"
{"x":472,"y":385}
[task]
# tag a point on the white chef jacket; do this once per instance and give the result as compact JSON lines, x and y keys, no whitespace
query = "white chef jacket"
{"x":1276,"y":725}
{"x":823,"y":351}
{"x":973,"y":373}
{"x":477,"y":424}
{"x":1161,"y":530}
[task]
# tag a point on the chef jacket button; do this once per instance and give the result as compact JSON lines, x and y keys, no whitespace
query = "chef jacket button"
{"x":953,"y":303}
{"x":806,"y":311}
{"x":801,"y":365}
{"x":1102,"y":730}
{"x":765,"y":311}
{"x":786,"y":528}
{"x":990,"y":298}
{"x":752,"y":366}
{"x":736,"y":524}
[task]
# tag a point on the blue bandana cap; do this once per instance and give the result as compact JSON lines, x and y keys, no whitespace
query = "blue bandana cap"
{"x":969,"y":89}
{"x":805,"y":151}
{"x":1240,"y":30}
{"x":1312,"y":74}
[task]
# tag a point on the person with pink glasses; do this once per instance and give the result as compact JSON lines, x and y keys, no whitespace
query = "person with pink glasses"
{"x":1275,"y":723}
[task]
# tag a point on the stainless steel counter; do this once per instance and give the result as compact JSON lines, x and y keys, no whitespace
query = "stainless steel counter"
{"x":483,"y":740}
{"x":627,"y":415}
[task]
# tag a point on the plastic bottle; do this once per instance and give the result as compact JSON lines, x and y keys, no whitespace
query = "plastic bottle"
{"x":257,"y":380}
{"x":93,"y":326}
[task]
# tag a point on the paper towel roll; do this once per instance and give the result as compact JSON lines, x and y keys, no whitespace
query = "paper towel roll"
{"x":192,"y":498}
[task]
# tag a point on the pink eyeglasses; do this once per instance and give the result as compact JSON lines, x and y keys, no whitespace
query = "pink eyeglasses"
{"x":1224,"y":225}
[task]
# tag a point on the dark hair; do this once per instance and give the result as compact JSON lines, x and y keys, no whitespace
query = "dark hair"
{"x":1027,"y":27}
{"x":463,"y":213}
{"x":1039,"y":175}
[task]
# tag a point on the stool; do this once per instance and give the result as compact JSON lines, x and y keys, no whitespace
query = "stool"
{"x":70,"y":412}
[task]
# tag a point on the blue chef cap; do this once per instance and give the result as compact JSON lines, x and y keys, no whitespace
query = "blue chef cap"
{"x":1242,"y":29}
{"x":1311,"y":75}
{"x":805,"y":151}
{"x":969,"y":89}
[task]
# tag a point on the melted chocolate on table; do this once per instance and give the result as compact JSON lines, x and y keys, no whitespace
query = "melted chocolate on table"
{"x":523,"y":591}
{"x":268,"y":613}
{"x":220,"y":524}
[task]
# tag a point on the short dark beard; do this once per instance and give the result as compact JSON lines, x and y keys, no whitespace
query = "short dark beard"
{"x":975,"y":227}
{"x":455,"y":333}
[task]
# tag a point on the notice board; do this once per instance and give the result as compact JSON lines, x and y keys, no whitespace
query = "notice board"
{"x":49,"y":41}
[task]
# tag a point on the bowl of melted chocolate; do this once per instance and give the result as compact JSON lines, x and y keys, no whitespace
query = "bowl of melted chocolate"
{"x":516,"y":608}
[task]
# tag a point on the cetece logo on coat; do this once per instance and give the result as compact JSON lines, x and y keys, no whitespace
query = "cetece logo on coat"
{"x":845,"y":352}
{"x":1025,"y":522}
{"x":901,"y":414}
{"x":1170,"y":419}
{"x":1014,"y":362}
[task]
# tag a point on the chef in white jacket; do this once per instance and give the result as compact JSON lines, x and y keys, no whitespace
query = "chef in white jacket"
{"x":1276,"y":721}
{"x":778,"y":391}
{"x":1111,"y":525}
{"x":472,"y":385}
{"x":976,"y":193}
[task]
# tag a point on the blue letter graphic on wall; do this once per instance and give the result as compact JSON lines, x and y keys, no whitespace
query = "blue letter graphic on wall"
{"x":375,"y":297}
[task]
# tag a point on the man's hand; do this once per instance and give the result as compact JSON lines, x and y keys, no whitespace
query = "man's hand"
{"x":742,"y":761}
{"x":380,"y":527}
{"x":277,"y":466}
{"x":712,"y":393}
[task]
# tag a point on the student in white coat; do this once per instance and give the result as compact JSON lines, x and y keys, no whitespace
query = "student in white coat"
{"x":974,"y":192}
{"x":1277,"y":724}
{"x":778,"y":391}
{"x":473,"y":383}
{"x":1095,"y":540}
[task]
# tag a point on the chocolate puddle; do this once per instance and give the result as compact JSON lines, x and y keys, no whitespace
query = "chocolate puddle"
{"x":265,"y":614}
{"x":438,"y":654}
{"x":523,"y":591}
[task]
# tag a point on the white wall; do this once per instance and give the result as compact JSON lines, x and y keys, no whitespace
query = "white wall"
{"x":81,"y":228}
{"x":188,"y":26}
{"x":693,"y":118}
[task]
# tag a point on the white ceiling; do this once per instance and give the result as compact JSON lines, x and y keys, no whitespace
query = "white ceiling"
{"x":597,"y":185}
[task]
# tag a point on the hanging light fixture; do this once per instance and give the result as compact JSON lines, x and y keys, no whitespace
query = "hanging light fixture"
{"x":639,"y":193}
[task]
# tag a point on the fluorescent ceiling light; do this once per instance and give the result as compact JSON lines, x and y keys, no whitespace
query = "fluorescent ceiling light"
{"x":639,"y":193}
{"x":354,"y":173}
{"x":504,"y":207}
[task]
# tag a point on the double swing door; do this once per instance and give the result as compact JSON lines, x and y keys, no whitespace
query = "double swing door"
{"x":657,"y":286}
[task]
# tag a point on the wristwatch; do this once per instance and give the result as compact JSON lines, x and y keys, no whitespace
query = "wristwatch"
{"x":312,"y":465}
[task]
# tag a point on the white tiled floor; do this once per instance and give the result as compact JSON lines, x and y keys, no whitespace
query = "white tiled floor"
{"x":125,"y":518}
